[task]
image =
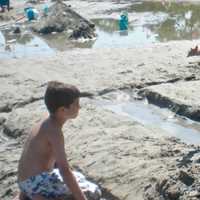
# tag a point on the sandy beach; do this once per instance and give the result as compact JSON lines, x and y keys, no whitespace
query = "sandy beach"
{"x":127,"y":159}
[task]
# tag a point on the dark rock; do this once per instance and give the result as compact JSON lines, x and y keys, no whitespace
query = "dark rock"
{"x":6,"y":108}
{"x":83,"y":31}
{"x":17,"y":30}
{"x":186,"y":178}
{"x":2,"y":120}
{"x":14,"y":133}
{"x":187,"y":158}
{"x":61,"y":17}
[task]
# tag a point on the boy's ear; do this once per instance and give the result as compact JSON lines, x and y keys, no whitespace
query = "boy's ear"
{"x":61,"y":109}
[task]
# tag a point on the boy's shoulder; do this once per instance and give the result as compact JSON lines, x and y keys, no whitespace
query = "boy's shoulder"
{"x":46,"y":127}
{"x":53,"y":134}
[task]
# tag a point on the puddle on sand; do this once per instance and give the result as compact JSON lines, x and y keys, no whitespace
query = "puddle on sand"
{"x":147,"y":114}
{"x":22,"y":45}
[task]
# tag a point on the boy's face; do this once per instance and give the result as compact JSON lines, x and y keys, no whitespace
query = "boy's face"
{"x":74,"y":108}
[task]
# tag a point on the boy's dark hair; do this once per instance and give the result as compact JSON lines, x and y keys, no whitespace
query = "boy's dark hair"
{"x":60,"y":94}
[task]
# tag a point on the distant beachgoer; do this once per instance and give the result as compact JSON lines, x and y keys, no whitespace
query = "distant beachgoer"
{"x":194,"y":51}
{"x":3,"y":4}
{"x":123,"y":22}
{"x":45,"y":147}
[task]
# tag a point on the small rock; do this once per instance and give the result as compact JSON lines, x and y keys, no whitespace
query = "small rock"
{"x":83,"y":31}
{"x":17,"y":30}
{"x":186,"y":178}
{"x":2,"y":120}
{"x":141,"y":64}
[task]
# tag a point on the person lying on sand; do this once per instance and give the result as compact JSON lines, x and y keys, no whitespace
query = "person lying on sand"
{"x":45,"y":147}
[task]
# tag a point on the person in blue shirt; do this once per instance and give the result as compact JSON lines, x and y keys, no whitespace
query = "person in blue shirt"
{"x":123,"y":22}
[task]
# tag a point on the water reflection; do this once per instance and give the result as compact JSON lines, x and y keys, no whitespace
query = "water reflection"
{"x":109,"y":25}
{"x":182,"y":21}
{"x":149,"y":115}
{"x":61,"y":42}
{"x":109,"y":35}
{"x":123,"y":33}
{"x":17,"y":38}
{"x":21,"y":45}
{"x":152,"y":22}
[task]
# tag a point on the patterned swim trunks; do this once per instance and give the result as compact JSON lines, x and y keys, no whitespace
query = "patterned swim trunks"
{"x":47,"y":184}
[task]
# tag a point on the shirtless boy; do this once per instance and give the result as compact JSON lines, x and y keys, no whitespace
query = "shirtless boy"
{"x":45,"y":147}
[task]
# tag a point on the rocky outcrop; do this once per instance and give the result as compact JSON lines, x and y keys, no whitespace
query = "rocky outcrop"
{"x":62,"y":18}
{"x":176,"y":98}
{"x":84,"y":31}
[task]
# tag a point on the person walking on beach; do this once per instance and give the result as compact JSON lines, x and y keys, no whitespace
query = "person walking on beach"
{"x":44,"y":148}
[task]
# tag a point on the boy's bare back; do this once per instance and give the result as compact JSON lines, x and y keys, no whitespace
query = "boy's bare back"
{"x":38,"y":151}
{"x":45,"y":147}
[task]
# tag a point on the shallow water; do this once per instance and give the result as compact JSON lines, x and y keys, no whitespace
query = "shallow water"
{"x":22,"y":45}
{"x":149,"y":22}
{"x":147,"y":114}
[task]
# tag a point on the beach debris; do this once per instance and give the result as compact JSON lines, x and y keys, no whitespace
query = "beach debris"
{"x":61,"y":18}
{"x":194,"y":51}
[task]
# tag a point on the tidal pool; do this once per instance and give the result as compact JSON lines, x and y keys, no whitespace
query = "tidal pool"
{"x":149,"y":22}
{"x":153,"y":116}
{"x":22,"y":45}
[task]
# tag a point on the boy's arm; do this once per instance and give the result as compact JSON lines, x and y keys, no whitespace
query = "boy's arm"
{"x":57,"y":142}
